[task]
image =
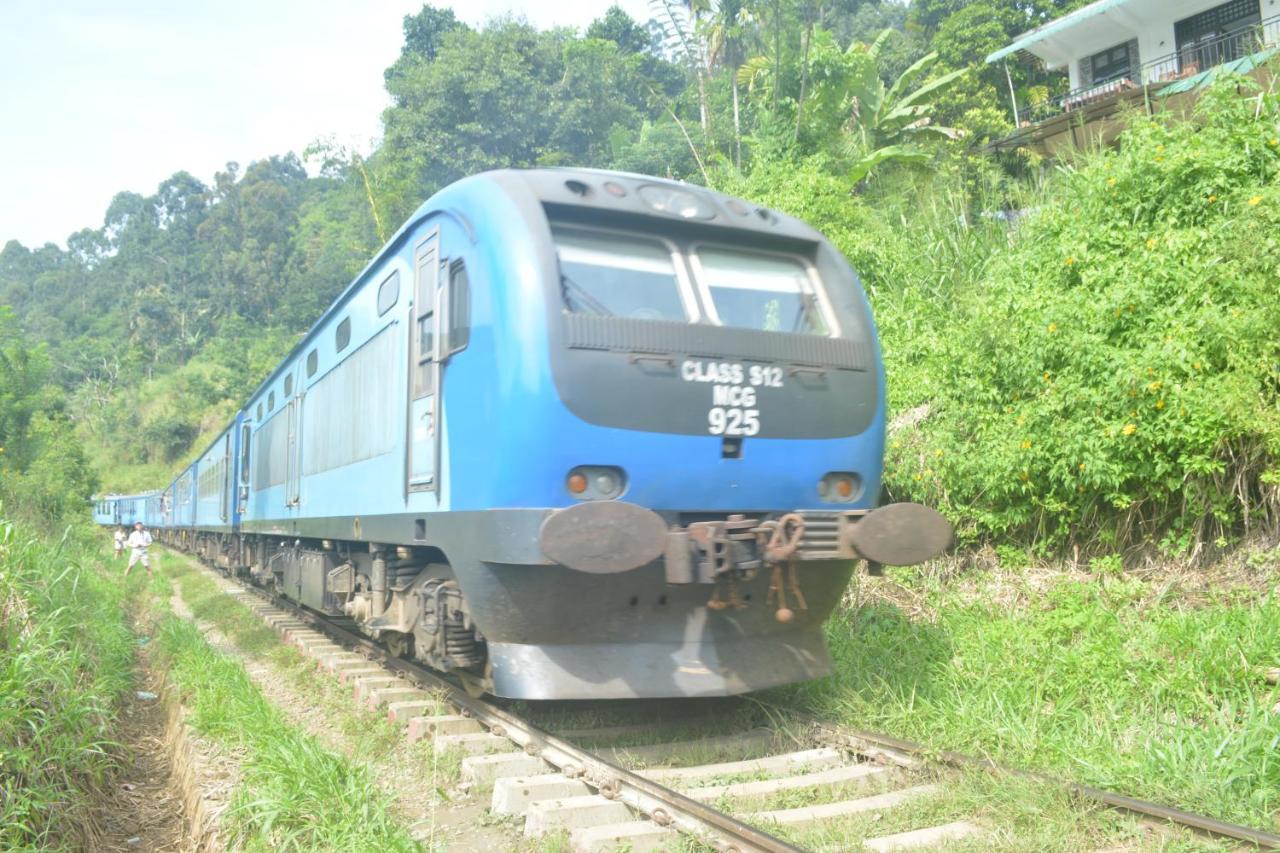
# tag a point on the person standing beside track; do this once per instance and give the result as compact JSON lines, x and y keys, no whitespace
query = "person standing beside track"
{"x":139,"y":541}
{"x":120,"y":536}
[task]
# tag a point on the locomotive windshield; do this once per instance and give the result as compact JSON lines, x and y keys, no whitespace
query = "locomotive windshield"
{"x":772,"y":293}
{"x":612,"y":274}
{"x":616,"y":276}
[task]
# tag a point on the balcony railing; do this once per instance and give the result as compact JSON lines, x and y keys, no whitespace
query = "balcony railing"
{"x":1188,"y":61}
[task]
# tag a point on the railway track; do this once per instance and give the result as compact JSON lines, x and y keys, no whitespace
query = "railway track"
{"x":666,"y":794}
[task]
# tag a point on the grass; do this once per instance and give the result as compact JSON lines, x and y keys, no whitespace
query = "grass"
{"x":295,"y":793}
{"x":1107,"y":679}
{"x":376,"y":742}
{"x":66,"y":657}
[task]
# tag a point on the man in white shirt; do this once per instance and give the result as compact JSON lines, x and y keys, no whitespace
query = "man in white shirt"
{"x":139,"y":541}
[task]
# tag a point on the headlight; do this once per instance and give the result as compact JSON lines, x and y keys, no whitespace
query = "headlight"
{"x":596,"y":482}
{"x":840,"y":487}
{"x":674,"y":201}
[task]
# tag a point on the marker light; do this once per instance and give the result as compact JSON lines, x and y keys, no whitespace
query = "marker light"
{"x":596,"y":482}
{"x":840,"y":487}
{"x":674,"y":201}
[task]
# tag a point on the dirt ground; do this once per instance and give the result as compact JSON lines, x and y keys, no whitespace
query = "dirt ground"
{"x":143,"y":807}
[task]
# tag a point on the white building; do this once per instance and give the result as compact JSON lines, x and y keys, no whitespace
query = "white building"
{"x":1116,"y":50}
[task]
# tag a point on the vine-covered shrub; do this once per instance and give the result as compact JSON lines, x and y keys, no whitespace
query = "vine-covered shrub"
{"x":1112,"y":376}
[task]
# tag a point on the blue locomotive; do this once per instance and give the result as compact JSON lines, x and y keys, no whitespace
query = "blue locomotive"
{"x":571,"y":434}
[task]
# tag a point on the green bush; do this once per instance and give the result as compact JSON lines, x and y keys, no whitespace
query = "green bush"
{"x":65,"y":657}
{"x":1112,"y":376}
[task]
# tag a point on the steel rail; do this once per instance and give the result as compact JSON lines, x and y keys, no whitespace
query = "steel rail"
{"x":666,"y":807}
{"x":1202,"y":823}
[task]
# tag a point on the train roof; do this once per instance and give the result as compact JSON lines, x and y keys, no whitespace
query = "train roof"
{"x":572,"y":187}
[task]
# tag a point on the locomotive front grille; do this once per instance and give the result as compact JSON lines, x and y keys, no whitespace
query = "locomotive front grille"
{"x":822,"y":538}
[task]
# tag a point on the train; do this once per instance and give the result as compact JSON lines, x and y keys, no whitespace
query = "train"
{"x":571,"y":434}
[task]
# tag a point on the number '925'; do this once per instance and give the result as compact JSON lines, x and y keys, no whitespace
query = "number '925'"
{"x":725,"y":421}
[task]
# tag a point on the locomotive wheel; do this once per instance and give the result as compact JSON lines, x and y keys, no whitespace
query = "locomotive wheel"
{"x":477,"y":685}
{"x":400,"y":645}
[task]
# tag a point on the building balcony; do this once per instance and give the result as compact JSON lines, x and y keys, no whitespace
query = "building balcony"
{"x":1243,"y":50}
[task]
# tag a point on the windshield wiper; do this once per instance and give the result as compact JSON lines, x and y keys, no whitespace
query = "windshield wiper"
{"x":806,"y":311}
{"x":581,"y":296}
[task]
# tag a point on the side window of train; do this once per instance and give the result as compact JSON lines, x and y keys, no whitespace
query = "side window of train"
{"x":459,"y":307}
{"x":342,"y":335}
{"x":271,"y":401}
{"x":259,"y":411}
{"x":388,"y":293}
{"x":288,"y":385}
{"x":313,"y":362}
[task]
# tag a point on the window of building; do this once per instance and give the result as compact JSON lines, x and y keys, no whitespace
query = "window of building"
{"x":342,"y":335}
{"x":1221,"y":34}
{"x":313,"y":362}
{"x":459,"y":307}
{"x":1111,"y":64}
{"x":388,"y":293}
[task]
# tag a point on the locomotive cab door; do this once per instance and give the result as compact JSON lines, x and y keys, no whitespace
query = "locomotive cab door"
{"x":293,"y":455}
{"x":424,"y":368}
{"x":224,"y":501}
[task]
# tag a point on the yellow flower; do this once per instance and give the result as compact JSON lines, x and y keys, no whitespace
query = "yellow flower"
{"x":1196,"y":365}
{"x":1111,"y":182}
{"x":1081,"y":466}
{"x":1053,"y":327}
{"x":1070,"y":261}
{"x":1046,"y":376}
{"x":1155,"y":386}
{"x":1255,"y":201}
{"x":1129,"y":429}
{"x":1022,"y":419}
{"x":1274,"y":142}
{"x":1151,"y":244}
{"x":1026,"y":445}
{"x":1159,"y":404}
{"x":1212,"y":199}
{"x":1159,"y":159}
{"x":938,"y":453}
{"x":1159,"y":149}
{"x":919,"y":477}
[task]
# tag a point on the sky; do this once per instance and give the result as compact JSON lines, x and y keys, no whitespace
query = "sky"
{"x":100,"y":97}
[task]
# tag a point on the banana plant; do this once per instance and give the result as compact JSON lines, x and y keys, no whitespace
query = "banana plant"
{"x":886,"y":122}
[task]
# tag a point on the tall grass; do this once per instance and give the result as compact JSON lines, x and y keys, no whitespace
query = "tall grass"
{"x":66,"y":656}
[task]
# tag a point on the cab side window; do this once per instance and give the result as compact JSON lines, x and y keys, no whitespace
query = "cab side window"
{"x":459,"y":307}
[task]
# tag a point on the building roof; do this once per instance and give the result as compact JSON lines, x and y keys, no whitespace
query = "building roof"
{"x":1057,"y":25}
